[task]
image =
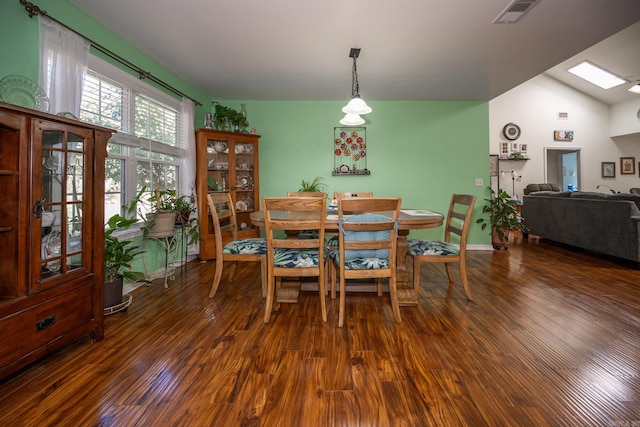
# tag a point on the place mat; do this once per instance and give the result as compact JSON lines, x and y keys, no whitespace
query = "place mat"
{"x":419,"y":212}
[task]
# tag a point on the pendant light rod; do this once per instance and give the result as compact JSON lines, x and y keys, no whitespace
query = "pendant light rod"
{"x":355,"y":85}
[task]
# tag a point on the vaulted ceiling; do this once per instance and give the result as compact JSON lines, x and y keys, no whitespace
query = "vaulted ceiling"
{"x":411,"y":49}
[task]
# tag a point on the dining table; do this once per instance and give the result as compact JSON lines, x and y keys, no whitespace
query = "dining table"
{"x":409,"y":219}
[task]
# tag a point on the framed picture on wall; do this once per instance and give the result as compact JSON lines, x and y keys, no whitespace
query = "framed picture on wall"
{"x":608,"y":169}
{"x":627,"y":165}
{"x":504,"y":149}
{"x":493,"y":165}
{"x":563,"y":135}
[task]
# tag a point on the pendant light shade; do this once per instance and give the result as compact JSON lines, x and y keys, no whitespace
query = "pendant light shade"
{"x":350,"y":119}
{"x":356,"y":106}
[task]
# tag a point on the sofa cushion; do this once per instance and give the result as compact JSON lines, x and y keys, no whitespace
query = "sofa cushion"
{"x":625,"y":196}
{"x":552,"y":193}
{"x":547,"y":186}
{"x":588,"y":195}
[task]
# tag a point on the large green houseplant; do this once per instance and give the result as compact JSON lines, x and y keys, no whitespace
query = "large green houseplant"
{"x":118,"y":255}
{"x":503,"y":217}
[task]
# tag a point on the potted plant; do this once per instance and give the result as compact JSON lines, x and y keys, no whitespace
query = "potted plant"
{"x":236,"y":118}
{"x":503,"y":217}
{"x":118,"y":255}
{"x":168,"y":211}
{"x":314,"y":186}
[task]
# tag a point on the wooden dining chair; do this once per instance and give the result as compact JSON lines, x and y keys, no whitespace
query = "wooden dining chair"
{"x":288,"y":257}
{"x":367,"y":246}
{"x":332,"y":240}
{"x":223,"y":215}
{"x":449,"y":250}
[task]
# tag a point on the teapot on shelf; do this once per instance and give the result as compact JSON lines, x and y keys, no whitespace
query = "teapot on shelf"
{"x":220,"y":146}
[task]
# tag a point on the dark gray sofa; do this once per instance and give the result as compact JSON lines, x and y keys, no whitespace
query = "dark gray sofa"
{"x":604,"y":223}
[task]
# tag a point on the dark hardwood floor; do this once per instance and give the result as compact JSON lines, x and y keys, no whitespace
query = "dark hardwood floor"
{"x":552,"y":338}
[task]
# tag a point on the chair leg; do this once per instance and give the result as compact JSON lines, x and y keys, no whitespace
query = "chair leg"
{"x":269,"y":302}
{"x":447,"y":266}
{"x":465,"y":282}
{"x":232,"y":270}
{"x":395,"y":306}
{"x":333,"y":269}
{"x":321,"y":294}
{"x":216,"y":277}
{"x":379,"y":281}
{"x":416,"y":275}
{"x":263,"y":275}
{"x":343,"y":301}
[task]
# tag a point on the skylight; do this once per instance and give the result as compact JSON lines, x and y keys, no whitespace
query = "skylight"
{"x":596,"y":75}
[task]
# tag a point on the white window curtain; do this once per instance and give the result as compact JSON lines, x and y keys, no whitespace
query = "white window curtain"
{"x":188,"y":162}
{"x":63,"y":64}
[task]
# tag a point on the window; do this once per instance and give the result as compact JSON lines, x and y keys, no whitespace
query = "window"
{"x":148,"y":147}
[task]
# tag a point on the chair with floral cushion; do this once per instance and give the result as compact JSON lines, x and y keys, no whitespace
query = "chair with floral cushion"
{"x":447,"y":251}
{"x":288,"y":257}
{"x":223,"y":215}
{"x":367,"y":246}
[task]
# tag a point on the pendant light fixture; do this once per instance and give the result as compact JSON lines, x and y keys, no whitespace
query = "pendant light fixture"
{"x":356,"y":106}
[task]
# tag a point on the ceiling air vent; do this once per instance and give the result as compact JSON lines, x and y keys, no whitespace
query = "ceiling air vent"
{"x":515,"y":11}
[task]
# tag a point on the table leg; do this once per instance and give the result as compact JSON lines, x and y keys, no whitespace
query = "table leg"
{"x":406,"y":293}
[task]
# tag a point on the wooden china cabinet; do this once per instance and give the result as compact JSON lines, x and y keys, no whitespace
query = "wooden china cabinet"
{"x":226,"y":161}
{"x":51,"y":233}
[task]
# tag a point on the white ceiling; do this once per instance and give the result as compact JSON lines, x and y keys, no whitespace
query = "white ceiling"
{"x":411,"y":49}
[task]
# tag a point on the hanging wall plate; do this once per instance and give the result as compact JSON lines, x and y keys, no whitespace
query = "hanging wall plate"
{"x":511,"y":131}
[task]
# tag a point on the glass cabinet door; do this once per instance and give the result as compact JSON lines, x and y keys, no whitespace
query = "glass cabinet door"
{"x":60,"y":203}
{"x":244,"y":177}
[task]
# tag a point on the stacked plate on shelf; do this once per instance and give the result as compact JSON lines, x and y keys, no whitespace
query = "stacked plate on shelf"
{"x":21,"y":91}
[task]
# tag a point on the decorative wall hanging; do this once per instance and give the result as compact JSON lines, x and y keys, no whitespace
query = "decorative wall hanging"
{"x":627,"y":165}
{"x":608,"y":169}
{"x":350,"y":151}
{"x":563,"y":135}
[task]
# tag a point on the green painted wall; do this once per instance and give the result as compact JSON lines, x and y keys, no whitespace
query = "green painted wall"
{"x":421,"y":151}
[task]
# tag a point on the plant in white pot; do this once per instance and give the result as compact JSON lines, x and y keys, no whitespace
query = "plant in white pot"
{"x":168,"y":211}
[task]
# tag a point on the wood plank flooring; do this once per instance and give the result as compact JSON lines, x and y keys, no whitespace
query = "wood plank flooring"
{"x":552,"y":339}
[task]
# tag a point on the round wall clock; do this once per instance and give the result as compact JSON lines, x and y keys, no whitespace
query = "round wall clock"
{"x":511,"y":131}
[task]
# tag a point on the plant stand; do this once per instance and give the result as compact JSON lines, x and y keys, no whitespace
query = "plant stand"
{"x":126,"y":302}
{"x":169,"y":244}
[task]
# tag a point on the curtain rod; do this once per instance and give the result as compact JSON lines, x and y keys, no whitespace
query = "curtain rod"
{"x":33,"y":10}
